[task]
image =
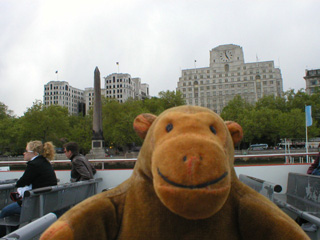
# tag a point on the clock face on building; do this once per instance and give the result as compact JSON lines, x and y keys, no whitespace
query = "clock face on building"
{"x":226,"y":56}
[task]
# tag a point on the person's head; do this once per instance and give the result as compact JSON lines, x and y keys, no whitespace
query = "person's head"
{"x":71,"y":149}
{"x":35,"y":148}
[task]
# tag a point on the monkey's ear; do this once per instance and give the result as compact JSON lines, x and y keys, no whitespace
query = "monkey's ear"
{"x":235,"y":130}
{"x":142,"y":124}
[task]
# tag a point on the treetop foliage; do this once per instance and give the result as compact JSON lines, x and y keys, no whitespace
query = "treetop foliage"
{"x":53,"y":123}
{"x":274,"y":118}
{"x":267,"y":121}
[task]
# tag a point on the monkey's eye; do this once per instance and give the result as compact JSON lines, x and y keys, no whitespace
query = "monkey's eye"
{"x":169,"y":127}
{"x":213,"y":130}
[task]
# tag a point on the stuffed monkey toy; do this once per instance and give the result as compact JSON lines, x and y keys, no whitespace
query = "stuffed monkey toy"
{"x":183,"y":186}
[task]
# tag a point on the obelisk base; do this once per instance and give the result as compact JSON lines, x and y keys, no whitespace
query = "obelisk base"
{"x":97,"y":150}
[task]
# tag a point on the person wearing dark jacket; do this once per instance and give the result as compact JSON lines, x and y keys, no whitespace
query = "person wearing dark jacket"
{"x":39,"y":173}
{"x":315,"y":163}
{"x":81,"y":169}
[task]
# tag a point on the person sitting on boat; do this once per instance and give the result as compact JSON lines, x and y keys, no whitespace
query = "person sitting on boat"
{"x":39,"y":173}
{"x":314,"y":168}
{"x":81,"y":168}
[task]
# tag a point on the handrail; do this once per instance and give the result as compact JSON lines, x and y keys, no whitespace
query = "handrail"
{"x":6,"y":181}
{"x":33,"y":229}
{"x":274,"y":187}
{"x":7,"y":186}
{"x":59,"y":187}
{"x":277,"y":155}
{"x":115,"y":160}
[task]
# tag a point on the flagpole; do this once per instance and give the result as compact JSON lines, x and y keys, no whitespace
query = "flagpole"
{"x":118,"y":66}
{"x":307,"y":142}
{"x":308,"y":114}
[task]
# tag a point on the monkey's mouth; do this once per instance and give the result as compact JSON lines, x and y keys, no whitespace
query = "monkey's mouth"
{"x":197,"y":186}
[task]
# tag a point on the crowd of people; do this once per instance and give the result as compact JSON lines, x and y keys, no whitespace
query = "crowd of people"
{"x":40,"y":173}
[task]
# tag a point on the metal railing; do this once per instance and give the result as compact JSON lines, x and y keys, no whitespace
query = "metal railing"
{"x":289,"y":158}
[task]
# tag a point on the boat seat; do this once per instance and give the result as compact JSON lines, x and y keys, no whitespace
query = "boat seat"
{"x":302,"y":197}
{"x":34,"y":229}
{"x":5,"y":190}
{"x":38,"y":202}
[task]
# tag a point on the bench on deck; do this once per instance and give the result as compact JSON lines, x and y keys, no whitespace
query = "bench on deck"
{"x":5,"y":190}
{"x":302,"y":197}
{"x":38,"y":202}
{"x":33,"y":229}
{"x":266,"y":188}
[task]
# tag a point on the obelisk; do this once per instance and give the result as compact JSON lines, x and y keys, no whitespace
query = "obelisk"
{"x":97,"y":133}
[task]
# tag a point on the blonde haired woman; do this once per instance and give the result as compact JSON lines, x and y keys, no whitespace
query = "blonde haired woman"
{"x":39,"y":173}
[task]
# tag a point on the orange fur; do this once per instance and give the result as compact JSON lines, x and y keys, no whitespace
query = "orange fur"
{"x":183,"y":186}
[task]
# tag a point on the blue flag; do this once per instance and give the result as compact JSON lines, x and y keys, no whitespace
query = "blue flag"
{"x":308,"y":116}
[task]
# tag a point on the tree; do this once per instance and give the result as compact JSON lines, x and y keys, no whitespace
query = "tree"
{"x":235,"y":109}
{"x":80,"y":131}
{"x":153,"y":105}
{"x":118,"y":122}
{"x":171,"y":99}
{"x":44,"y":123}
{"x":6,"y":128}
{"x":273,"y":118}
{"x":272,"y":102}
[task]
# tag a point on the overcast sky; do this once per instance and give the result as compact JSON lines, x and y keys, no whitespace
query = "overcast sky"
{"x":153,"y":40}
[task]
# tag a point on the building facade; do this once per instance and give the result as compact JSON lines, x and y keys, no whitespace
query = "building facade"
{"x":312,"y":79}
{"x":227,"y":76}
{"x":62,"y":94}
{"x":119,"y":86}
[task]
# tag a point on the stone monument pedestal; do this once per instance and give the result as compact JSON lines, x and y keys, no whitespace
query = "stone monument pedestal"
{"x":97,"y":150}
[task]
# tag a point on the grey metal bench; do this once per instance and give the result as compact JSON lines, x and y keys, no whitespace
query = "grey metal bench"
{"x":261,"y":186}
{"x":5,"y":190}
{"x":38,"y":202}
{"x":33,"y":229}
{"x":302,"y":197}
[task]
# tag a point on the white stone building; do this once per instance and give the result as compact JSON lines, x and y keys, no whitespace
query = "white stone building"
{"x":145,"y":91}
{"x":119,"y":86}
{"x":227,"y":76}
{"x":61,"y":93}
{"x":122,"y":86}
{"x":312,"y":79}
